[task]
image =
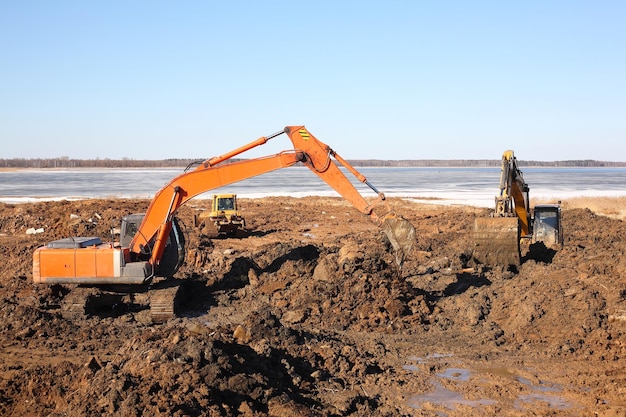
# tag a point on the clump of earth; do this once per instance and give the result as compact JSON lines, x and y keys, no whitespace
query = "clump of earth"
{"x":308,"y":314}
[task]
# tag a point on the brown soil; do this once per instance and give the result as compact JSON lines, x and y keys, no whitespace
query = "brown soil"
{"x":309,"y":315}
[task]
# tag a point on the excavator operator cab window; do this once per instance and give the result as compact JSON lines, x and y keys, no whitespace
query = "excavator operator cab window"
{"x":130,"y":225}
{"x":131,"y":229}
{"x":546,"y":227}
{"x":547,"y":217}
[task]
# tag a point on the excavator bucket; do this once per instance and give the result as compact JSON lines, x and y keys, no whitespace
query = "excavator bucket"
{"x":400,"y":233}
{"x":497,"y":241}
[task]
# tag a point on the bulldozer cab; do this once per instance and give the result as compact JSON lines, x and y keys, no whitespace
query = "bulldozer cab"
{"x":547,"y":226}
{"x":226,"y":203}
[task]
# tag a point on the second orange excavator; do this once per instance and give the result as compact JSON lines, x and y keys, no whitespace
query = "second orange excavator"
{"x":151,"y":245}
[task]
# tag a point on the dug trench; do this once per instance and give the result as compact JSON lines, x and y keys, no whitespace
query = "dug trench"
{"x":308,"y":314}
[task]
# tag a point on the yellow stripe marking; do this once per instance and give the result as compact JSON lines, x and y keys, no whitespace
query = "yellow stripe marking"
{"x":304,"y":134}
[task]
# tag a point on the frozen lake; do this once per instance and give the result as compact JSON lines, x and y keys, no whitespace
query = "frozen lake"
{"x":471,"y":186}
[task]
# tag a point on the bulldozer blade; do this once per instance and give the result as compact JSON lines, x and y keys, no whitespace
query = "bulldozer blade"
{"x":209,"y":229}
{"x":401,"y":235}
{"x":497,"y":241}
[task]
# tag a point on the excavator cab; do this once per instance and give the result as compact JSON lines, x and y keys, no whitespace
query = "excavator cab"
{"x":174,"y":252}
{"x":547,"y":225}
{"x":130,"y":226}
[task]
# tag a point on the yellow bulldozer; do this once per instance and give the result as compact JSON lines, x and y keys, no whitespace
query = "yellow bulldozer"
{"x":224,"y":218}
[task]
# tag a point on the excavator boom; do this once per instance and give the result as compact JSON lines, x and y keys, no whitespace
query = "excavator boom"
{"x":212,"y":174}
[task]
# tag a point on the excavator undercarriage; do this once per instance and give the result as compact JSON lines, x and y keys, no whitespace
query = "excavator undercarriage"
{"x":163,"y":298}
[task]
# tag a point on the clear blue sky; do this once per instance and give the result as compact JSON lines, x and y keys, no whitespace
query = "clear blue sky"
{"x":373,"y":79}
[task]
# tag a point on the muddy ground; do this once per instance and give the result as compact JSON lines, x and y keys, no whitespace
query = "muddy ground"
{"x":309,"y":315}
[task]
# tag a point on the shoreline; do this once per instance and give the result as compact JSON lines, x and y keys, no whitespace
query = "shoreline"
{"x":612,"y":206}
{"x":548,"y":165}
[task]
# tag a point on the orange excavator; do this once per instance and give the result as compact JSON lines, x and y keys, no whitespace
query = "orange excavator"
{"x":152,"y":246}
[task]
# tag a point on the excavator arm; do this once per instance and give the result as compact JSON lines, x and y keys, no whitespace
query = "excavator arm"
{"x":214,"y":173}
{"x":513,"y":199}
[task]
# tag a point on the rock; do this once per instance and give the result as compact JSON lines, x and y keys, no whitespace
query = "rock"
{"x":242,"y":334}
{"x":294,"y":316}
{"x":325,"y":270}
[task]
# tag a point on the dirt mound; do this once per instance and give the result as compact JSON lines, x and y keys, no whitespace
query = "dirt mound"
{"x":310,"y":315}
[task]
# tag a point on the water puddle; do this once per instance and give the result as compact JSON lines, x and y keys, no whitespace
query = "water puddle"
{"x":540,"y":392}
{"x":444,"y":397}
{"x":455,"y":374}
{"x":421,"y":361}
{"x":553,"y":401}
{"x":543,"y":386}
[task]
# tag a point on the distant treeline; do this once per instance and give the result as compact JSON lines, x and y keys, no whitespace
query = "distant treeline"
{"x":478,"y":163}
{"x":65,"y":162}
